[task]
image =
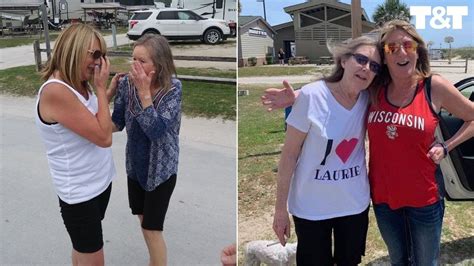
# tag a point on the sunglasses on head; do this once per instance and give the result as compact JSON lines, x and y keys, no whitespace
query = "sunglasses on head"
{"x":363,"y":60}
{"x":409,"y":46}
{"x":96,"y":54}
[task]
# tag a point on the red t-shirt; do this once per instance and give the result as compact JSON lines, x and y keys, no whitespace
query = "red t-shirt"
{"x":400,"y":173}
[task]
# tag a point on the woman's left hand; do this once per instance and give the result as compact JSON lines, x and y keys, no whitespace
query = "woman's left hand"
{"x":141,"y":80}
{"x":436,"y":153}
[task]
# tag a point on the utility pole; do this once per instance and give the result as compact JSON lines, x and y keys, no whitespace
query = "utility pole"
{"x":44,"y":15}
{"x":264,"y":11}
{"x":356,"y":18}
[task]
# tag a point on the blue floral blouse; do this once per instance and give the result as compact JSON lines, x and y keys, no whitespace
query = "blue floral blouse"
{"x":152,"y":149}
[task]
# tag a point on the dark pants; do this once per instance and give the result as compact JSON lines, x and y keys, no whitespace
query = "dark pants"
{"x":315,"y":240}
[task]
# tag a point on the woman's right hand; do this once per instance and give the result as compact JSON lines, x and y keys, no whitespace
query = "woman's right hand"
{"x":281,"y":225}
{"x":112,"y":90}
{"x":279,"y":98}
{"x":101,"y":74}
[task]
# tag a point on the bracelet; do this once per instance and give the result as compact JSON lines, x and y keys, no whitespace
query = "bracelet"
{"x":445,"y":148}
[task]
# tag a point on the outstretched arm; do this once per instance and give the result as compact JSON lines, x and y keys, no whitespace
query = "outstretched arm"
{"x":279,"y":98}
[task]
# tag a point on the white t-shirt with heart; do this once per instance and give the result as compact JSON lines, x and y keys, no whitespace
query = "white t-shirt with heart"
{"x":330,"y":179}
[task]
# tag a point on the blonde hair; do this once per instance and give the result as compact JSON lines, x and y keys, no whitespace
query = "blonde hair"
{"x":70,"y":53}
{"x":422,"y":67}
{"x":345,"y":50}
{"x":160,"y":53}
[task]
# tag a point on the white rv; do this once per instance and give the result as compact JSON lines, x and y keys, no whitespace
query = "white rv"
{"x":219,"y":9}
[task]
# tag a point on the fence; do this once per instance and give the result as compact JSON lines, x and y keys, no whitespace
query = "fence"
{"x":452,"y":64}
{"x":38,"y":50}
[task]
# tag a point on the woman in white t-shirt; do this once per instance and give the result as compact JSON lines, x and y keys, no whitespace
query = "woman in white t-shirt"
{"x":76,"y":128}
{"x":322,"y":171}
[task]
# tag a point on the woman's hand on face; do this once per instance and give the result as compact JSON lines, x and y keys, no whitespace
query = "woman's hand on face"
{"x":101,"y":74}
{"x":112,"y":90}
{"x":140,"y":79}
{"x":274,"y":98}
{"x":281,"y":225}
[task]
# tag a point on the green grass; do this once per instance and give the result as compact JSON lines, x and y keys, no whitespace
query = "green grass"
{"x":122,"y":64}
{"x":199,"y":99}
{"x":209,"y":100}
{"x":263,"y":71}
{"x":9,"y":41}
{"x":260,"y":136}
{"x":465,"y":52}
{"x":206,"y":72}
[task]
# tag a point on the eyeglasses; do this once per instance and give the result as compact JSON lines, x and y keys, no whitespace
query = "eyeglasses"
{"x":96,"y":54}
{"x":363,"y":60}
{"x":409,"y":46}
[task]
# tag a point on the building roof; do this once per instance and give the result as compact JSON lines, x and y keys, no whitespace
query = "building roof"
{"x":102,"y":6}
{"x":283,"y":25}
{"x":19,"y":6}
{"x":246,"y":20}
{"x":334,"y":3}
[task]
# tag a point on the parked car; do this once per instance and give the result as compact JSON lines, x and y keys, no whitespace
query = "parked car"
{"x":177,"y":24}
{"x":458,"y":166}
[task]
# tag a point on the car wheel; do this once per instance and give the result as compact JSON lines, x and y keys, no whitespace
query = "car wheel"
{"x":152,"y":32}
{"x":212,"y":36}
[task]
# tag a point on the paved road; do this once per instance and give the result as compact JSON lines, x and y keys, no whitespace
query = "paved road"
{"x":24,"y":55}
{"x":200,"y":221}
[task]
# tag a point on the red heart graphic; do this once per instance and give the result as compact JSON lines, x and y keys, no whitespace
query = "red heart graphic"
{"x":345,"y":148}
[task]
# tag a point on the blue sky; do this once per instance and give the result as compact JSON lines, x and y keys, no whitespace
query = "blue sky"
{"x":462,"y":37}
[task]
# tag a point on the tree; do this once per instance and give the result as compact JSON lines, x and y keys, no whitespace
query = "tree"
{"x":390,"y":10}
{"x":449,"y":40}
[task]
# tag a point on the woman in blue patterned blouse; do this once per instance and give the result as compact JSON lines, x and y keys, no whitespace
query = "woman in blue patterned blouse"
{"x":148,"y":105}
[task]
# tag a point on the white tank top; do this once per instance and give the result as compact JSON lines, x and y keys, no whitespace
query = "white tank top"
{"x":80,"y":169}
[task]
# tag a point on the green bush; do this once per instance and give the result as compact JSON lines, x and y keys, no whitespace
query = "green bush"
{"x":269,"y":59}
{"x":252,"y":61}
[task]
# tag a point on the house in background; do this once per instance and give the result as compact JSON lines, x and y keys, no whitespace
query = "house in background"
{"x":315,"y":22}
{"x":255,"y":40}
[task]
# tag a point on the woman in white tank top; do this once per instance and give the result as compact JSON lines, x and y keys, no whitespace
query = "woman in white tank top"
{"x":76,"y":127}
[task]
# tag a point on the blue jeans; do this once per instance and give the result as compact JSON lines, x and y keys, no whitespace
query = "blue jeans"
{"x":412,"y":235}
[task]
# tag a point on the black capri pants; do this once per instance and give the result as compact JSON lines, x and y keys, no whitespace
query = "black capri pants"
{"x":315,"y":240}
{"x":83,"y":222}
{"x":153,"y":205}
